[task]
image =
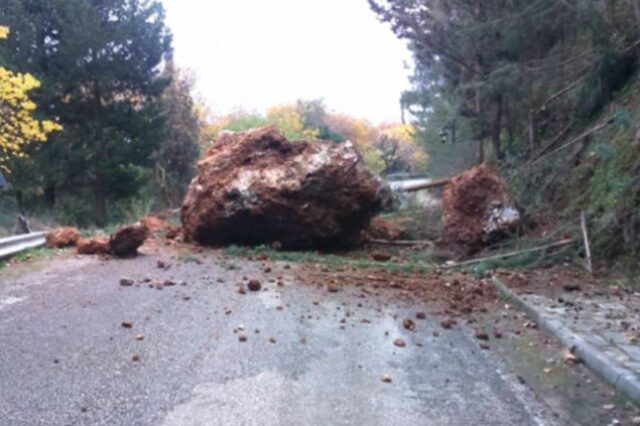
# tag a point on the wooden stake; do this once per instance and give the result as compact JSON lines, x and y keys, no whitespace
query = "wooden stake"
{"x":585,"y":237}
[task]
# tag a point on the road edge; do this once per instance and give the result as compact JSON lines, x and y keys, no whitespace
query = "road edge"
{"x":620,"y":378}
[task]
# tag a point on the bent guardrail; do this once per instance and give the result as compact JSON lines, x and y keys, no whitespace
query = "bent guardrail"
{"x":14,"y":245}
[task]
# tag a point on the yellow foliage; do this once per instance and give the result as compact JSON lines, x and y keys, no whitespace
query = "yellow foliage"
{"x":17,"y":126}
{"x":290,"y":123}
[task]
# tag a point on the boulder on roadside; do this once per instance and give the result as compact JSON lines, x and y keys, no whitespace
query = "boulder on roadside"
{"x":94,"y":245}
{"x":63,"y":237}
{"x":478,"y":210}
{"x":126,"y":240}
{"x":257,"y":187}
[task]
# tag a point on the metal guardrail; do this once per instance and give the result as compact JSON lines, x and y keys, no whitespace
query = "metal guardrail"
{"x":14,"y":245}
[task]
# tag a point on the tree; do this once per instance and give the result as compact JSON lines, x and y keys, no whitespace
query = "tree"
{"x":18,"y":126}
{"x":101,"y":64}
{"x":505,"y":61}
{"x":176,"y":158}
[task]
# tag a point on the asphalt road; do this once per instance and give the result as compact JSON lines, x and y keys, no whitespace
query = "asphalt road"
{"x":66,"y":359}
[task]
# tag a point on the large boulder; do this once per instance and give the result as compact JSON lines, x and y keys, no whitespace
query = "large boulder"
{"x":478,"y":210}
{"x":257,"y":187}
{"x":62,"y":237}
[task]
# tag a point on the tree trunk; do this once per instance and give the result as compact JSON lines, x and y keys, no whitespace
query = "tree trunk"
{"x":100,"y":202}
{"x":636,"y":12}
{"x":496,"y":130}
{"x":50,"y":196}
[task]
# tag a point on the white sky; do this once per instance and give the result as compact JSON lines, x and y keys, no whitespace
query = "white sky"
{"x":258,"y":53}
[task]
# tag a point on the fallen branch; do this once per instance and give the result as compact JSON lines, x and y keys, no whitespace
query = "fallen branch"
{"x":511,"y":254}
{"x":585,"y":237}
{"x":428,"y":185}
{"x":579,"y":138}
{"x":407,"y":243}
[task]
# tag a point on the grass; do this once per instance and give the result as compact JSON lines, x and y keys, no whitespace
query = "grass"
{"x":31,"y":254}
{"x":332,"y":261}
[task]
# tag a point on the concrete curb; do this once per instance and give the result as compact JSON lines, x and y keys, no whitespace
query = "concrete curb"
{"x":620,"y":378}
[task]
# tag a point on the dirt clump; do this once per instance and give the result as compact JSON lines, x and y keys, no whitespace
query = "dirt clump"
{"x":63,"y":237}
{"x":384,"y":229}
{"x":94,"y":245}
{"x":257,"y":187}
{"x":126,"y":240}
{"x":478,"y":210}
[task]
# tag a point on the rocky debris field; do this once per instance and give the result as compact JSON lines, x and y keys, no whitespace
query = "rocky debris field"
{"x":257,"y":187}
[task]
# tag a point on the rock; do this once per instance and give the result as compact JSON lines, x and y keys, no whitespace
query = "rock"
{"x":94,"y":245}
{"x":139,"y":336}
{"x":484,"y":346}
{"x":126,"y":282}
{"x":386,"y":378}
{"x":481,"y":335}
{"x":380,"y":256}
{"x":399,"y":343}
{"x":126,"y":240}
{"x":254,"y":285}
{"x":409,"y":325}
{"x":448,"y":324}
{"x":635,"y":421}
{"x":571,"y":287}
{"x":570,"y":358}
{"x":63,"y":237}
{"x":421,"y":316}
{"x":384,"y":229}
{"x":333,"y":288}
{"x":256,"y":187}
{"x":136,"y":358}
{"x":127,"y":324}
{"x":242,"y":338}
{"x":477,"y":210}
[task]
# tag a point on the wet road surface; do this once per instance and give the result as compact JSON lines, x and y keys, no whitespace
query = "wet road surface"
{"x":310,"y":357}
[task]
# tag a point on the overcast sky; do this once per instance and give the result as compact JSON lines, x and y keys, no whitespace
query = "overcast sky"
{"x":258,"y":53}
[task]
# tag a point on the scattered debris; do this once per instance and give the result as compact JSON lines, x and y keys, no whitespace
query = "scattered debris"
{"x":386,"y":378}
{"x":571,"y":287}
{"x":254,"y":285}
{"x":481,"y":335}
{"x":63,"y":237}
{"x":126,"y":282}
{"x":448,"y":323}
{"x":570,"y":358}
{"x":256,"y":187}
{"x":399,"y":343}
{"x":409,"y":324}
